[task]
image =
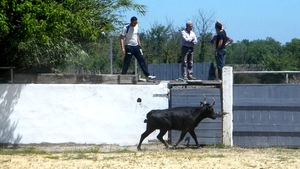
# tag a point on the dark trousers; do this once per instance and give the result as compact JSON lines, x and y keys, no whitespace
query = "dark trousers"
{"x":220,"y":59}
{"x":138,"y":54}
{"x":187,"y":58}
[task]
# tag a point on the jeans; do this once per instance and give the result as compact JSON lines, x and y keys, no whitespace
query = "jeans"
{"x":138,"y":54}
{"x":220,"y":59}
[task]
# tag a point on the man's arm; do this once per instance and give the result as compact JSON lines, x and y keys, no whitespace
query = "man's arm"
{"x":122,"y":43}
{"x":229,"y":40}
{"x":194,"y":40}
{"x":186,"y":38}
{"x":218,"y":47}
{"x":138,"y":39}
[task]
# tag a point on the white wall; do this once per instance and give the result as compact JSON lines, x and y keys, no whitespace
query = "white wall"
{"x":92,"y":114}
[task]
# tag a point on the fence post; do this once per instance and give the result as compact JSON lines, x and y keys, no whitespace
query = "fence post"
{"x":227,"y":102}
{"x":111,"y":54}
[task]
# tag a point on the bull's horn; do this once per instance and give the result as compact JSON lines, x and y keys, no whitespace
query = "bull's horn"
{"x":204,"y":99}
{"x":214,"y":101}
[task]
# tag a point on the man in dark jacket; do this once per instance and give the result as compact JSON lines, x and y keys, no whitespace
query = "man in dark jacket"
{"x":220,"y":51}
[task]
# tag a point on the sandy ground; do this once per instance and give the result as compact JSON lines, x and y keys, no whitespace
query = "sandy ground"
{"x":151,"y":156}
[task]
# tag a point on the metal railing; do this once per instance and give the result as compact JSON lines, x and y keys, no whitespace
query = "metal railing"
{"x":11,"y":68}
{"x":272,"y":72}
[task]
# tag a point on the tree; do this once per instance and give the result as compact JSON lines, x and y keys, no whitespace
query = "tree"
{"x":292,"y":51}
{"x":56,"y":33}
{"x":204,"y":27}
{"x":286,"y":59}
{"x":156,"y":43}
{"x":237,"y":53}
{"x":258,"y":48}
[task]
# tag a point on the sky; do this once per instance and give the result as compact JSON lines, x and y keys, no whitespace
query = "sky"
{"x":242,"y":19}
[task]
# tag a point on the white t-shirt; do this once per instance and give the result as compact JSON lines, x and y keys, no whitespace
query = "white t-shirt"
{"x":131,"y":37}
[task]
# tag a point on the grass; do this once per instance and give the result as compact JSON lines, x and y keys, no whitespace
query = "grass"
{"x":125,"y":150}
{"x":27,"y":150}
{"x":51,"y":156}
{"x":82,"y":151}
{"x":72,"y":154}
{"x":216,"y":146}
{"x":215,"y":156}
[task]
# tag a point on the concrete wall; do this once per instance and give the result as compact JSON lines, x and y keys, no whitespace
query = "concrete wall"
{"x":91,"y":114}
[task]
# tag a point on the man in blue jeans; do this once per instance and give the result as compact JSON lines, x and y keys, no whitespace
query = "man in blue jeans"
{"x":220,"y":51}
{"x":131,"y":45}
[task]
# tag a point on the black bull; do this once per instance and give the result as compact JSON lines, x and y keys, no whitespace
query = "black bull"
{"x":185,"y":119}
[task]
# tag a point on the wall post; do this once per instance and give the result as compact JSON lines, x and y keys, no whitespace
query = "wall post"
{"x":227,"y":103}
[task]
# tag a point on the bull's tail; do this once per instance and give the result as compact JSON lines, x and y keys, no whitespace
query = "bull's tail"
{"x":146,"y":120}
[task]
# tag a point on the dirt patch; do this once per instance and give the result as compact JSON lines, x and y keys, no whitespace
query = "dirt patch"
{"x":152,"y":156}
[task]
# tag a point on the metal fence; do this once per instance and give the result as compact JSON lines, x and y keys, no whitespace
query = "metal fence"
{"x":269,"y":72}
{"x":201,"y":71}
{"x":266,"y":115}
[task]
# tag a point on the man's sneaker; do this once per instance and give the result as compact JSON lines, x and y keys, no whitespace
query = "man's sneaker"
{"x":191,"y":78}
{"x":185,"y":78}
{"x":150,"y":78}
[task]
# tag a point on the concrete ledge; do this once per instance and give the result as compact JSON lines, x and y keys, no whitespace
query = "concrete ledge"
{"x":89,"y":79}
{"x":119,"y":79}
{"x":50,"y":78}
{"x":25,"y":78}
{"x":56,"y":79}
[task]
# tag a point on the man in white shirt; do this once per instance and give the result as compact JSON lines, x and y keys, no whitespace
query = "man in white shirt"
{"x":188,"y":40}
{"x":131,"y":45}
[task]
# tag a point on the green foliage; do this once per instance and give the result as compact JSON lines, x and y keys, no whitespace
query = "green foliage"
{"x":66,"y":36}
{"x":292,"y":51}
{"x":205,"y":48}
{"x":160,"y":51}
{"x":58,"y":34}
{"x":268,"y":53}
{"x":24,"y":151}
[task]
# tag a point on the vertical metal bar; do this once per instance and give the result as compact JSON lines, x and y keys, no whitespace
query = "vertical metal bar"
{"x":111,"y":55}
{"x":135,"y":65}
{"x":286,"y":78}
{"x":12,"y":75}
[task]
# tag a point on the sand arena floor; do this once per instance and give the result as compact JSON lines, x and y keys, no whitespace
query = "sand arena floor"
{"x":151,"y":156}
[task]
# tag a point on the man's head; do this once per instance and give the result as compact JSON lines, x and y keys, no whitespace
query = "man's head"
{"x":189,"y":25}
{"x":218,"y":26}
{"x":133,"y":21}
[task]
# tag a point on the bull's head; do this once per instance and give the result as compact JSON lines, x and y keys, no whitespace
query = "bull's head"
{"x":209,"y":108}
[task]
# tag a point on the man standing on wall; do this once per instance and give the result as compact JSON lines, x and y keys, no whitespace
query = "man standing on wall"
{"x":188,"y":40}
{"x":131,"y":45}
{"x":220,"y":51}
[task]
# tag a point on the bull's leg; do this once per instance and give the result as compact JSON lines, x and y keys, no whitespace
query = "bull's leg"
{"x":148,"y":131}
{"x":193,"y":134}
{"x":160,"y":137}
{"x":183,"y":133}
